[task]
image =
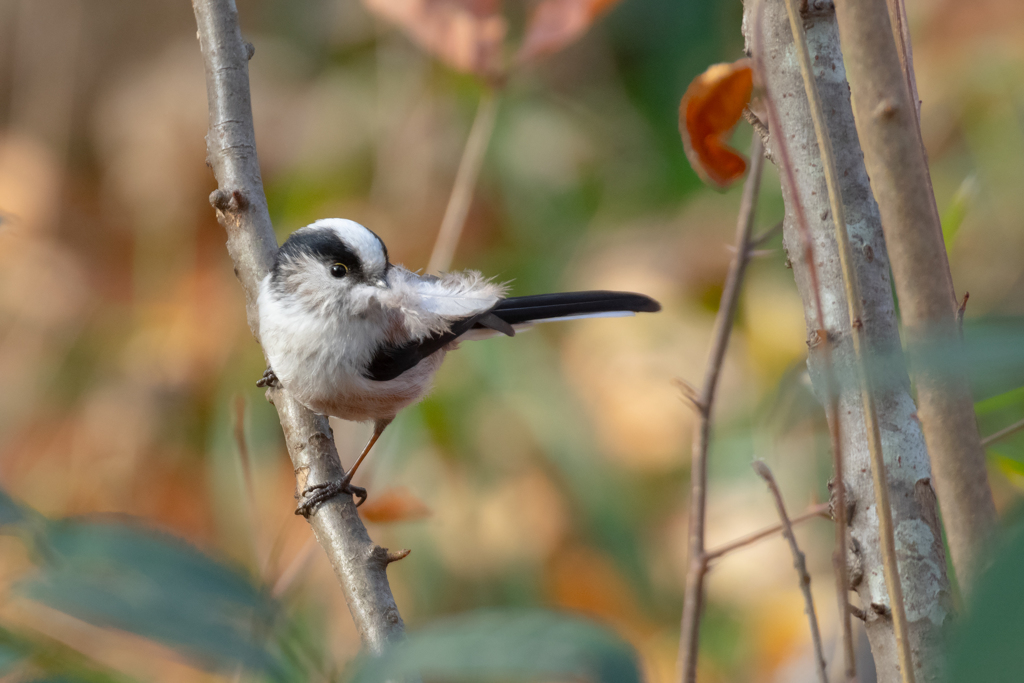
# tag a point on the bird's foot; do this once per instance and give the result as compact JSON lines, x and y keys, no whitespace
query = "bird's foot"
{"x":269,"y":379}
{"x":314,"y":496}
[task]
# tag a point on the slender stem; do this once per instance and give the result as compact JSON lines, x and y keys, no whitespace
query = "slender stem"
{"x":820,"y":338}
{"x":694,"y":595}
{"x":856,"y":314}
{"x":252,"y":509}
{"x":800,"y":564}
{"x":1002,"y":433}
{"x":242,"y":210}
{"x":465,"y":183}
{"x":816,"y":511}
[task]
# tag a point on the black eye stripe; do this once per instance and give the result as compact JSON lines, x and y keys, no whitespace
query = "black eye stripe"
{"x":322,"y":245}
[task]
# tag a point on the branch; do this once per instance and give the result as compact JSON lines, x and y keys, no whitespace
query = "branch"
{"x":694,"y":596}
{"x":820,"y":510}
{"x":855,"y":311}
{"x":1002,"y":433}
{"x":242,"y":210}
{"x":465,"y":183}
{"x":810,"y":240}
{"x":895,"y":159}
{"x":800,"y":565}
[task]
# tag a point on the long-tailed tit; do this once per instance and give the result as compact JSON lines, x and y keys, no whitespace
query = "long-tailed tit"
{"x":352,"y":335}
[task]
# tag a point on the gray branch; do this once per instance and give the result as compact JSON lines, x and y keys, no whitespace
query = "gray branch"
{"x":242,"y":209}
{"x":919,"y":547}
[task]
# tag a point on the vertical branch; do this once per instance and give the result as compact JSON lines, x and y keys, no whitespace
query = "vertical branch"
{"x":242,"y":210}
{"x":809,"y":237}
{"x":698,"y":563}
{"x":895,"y":159}
{"x":799,"y":564}
{"x":855,"y":311}
{"x":465,"y":183}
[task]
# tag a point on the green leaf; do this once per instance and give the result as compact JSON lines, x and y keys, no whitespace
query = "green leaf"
{"x":505,"y":645}
{"x":953,"y":216}
{"x":987,"y":644}
{"x":147,"y":582}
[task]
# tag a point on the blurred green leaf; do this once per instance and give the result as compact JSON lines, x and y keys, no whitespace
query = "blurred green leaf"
{"x":987,"y":644}
{"x":503,"y":645}
{"x":10,"y":511}
{"x":146,"y":582}
{"x":953,"y":216}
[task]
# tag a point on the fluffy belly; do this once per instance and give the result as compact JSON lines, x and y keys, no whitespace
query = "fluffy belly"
{"x":366,"y":400}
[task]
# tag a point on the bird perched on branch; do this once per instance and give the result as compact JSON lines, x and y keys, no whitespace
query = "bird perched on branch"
{"x":352,"y":335}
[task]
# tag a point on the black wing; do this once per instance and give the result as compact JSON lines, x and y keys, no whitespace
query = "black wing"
{"x":391,"y":361}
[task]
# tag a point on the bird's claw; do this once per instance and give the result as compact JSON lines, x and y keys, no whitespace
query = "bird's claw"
{"x":269,"y":379}
{"x":314,"y":496}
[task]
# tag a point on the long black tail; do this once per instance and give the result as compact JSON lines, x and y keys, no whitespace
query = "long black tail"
{"x":524,"y":309}
{"x":391,"y":361}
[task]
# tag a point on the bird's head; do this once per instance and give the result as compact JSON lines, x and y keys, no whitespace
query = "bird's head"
{"x":331,"y":262}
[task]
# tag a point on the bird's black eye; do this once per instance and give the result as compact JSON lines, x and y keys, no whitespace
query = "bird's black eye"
{"x":339,"y":270}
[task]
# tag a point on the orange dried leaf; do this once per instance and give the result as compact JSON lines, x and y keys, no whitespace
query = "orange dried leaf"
{"x":394,"y":505}
{"x":709,"y":111}
{"x":465,"y":34}
{"x":556,"y":23}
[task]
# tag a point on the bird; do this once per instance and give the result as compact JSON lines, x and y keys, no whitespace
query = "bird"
{"x":351,"y":335}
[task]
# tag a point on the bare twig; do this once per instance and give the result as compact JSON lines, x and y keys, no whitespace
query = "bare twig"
{"x":1002,"y":433}
{"x":820,"y":510}
{"x":242,"y":211}
{"x":465,"y":183}
{"x":766,"y":236}
{"x":895,"y":160}
{"x":855,"y":311}
{"x":245,"y":461}
{"x":698,"y":563}
{"x":294,"y":569}
{"x":800,"y":565}
{"x":824,"y":342}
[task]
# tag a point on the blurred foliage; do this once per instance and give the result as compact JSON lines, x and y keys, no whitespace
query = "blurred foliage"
{"x":552,"y":465}
{"x":505,"y":646}
{"x":986,"y":644}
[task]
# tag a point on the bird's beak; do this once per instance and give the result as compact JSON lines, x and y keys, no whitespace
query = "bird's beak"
{"x":381,"y":282}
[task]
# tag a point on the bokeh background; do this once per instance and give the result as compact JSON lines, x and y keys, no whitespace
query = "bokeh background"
{"x":550,"y":470}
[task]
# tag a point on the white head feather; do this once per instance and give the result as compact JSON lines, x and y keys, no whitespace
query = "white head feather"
{"x":366,"y":245}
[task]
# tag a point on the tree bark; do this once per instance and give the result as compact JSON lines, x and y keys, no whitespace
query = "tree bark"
{"x":895,"y":158}
{"x":918,"y":536}
{"x":242,"y":209}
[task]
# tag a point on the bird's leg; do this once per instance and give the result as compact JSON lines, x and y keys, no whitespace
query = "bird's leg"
{"x":318,"y":493}
{"x":269,"y":379}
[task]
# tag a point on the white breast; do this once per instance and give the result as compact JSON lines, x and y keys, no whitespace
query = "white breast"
{"x":320,"y":360}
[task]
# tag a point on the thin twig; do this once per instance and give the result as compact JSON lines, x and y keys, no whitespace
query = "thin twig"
{"x":766,"y":236}
{"x":816,"y":511}
{"x":1002,"y":433}
{"x":465,"y":183}
{"x":824,"y":341}
{"x":245,"y":461}
{"x":694,"y":595}
{"x":855,"y":311}
{"x":242,"y":210}
{"x":294,"y":568}
{"x":799,"y":563}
